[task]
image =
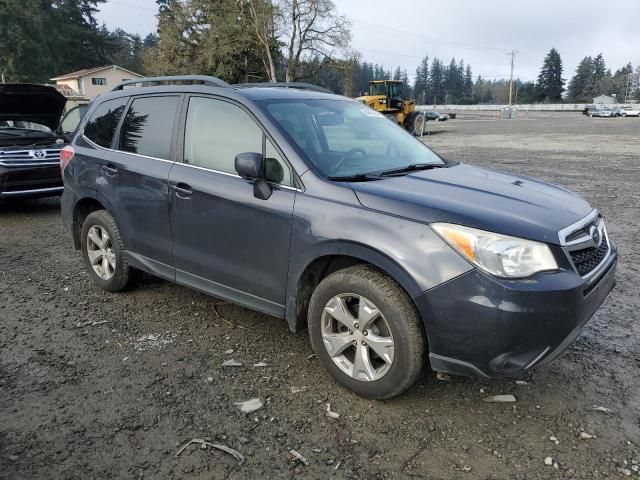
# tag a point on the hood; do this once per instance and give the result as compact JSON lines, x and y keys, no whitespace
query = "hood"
{"x":31,"y":103}
{"x":477,"y":197}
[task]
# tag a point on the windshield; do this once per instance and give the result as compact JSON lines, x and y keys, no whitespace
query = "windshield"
{"x":394,"y":90}
{"x":343,"y":138}
{"x":378,"y":89}
{"x":19,"y":125}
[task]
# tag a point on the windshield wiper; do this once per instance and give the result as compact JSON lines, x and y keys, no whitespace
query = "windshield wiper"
{"x":410,"y":168}
{"x":359,"y":177}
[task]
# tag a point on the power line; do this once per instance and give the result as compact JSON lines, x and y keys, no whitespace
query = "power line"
{"x":125,"y":4}
{"x":432,"y":38}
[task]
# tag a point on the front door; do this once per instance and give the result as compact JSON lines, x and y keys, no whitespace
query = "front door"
{"x":226,"y":241}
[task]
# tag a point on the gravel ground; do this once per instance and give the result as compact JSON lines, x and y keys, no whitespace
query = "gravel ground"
{"x":97,"y":385}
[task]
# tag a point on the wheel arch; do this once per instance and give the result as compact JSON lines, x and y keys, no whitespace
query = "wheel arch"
{"x":307,"y":274}
{"x":81,"y":211}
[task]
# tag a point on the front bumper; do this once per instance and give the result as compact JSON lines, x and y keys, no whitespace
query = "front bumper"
{"x":482,"y":326}
{"x":30,"y":181}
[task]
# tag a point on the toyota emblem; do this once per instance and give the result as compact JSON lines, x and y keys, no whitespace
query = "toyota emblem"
{"x":39,"y":154}
{"x":595,"y":235}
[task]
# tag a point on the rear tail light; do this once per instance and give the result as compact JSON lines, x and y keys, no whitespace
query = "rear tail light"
{"x":66,"y":154}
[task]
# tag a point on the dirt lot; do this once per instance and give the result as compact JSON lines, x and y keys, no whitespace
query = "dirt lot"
{"x":118,"y":399}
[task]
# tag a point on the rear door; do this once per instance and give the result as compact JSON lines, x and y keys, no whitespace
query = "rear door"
{"x":227,"y":242}
{"x":134,"y":176}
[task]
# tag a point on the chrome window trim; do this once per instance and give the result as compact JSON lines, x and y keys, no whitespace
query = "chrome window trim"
{"x":235,"y":175}
{"x":95,"y":145}
{"x":286,"y":187}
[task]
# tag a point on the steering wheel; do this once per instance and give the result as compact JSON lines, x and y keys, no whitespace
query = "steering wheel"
{"x":348,"y":155}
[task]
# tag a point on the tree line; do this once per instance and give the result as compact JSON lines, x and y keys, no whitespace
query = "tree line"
{"x":268,"y":40}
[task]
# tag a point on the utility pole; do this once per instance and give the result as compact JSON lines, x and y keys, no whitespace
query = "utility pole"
{"x":513,"y":57}
{"x":626,"y":91}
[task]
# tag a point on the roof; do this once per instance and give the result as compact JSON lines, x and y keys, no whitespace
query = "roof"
{"x":279,"y":93}
{"x":251,"y":93}
{"x":87,"y":71}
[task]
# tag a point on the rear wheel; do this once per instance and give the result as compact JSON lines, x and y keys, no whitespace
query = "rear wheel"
{"x":366,"y":332}
{"x":103,"y":253}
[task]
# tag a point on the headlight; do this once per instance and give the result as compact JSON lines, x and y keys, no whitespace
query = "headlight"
{"x":497,"y":254}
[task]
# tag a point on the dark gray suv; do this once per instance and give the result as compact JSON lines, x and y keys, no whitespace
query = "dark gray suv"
{"x":312,"y":207}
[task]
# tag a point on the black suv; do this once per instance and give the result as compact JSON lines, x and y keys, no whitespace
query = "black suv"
{"x":31,"y":137}
{"x":312,"y":207}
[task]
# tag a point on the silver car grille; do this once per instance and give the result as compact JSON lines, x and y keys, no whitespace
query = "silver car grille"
{"x":587,"y":245}
{"x":31,"y":157}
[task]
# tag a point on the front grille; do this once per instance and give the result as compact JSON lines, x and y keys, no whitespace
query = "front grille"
{"x":35,"y":156}
{"x":587,"y":259}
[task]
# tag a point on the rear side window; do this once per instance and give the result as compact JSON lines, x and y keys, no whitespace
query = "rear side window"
{"x":148,"y":126}
{"x":104,"y":121}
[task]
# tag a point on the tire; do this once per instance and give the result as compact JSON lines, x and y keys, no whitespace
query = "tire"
{"x":117,"y":276}
{"x":624,"y":115}
{"x":414,"y":124}
{"x":397,"y":322}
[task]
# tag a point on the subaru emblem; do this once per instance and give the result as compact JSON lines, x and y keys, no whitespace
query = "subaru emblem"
{"x":595,"y":236}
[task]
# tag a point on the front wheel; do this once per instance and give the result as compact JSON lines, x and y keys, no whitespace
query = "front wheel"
{"x":366,"y":332}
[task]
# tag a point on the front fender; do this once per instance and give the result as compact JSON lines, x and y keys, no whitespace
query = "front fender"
{"x":408,"y":251}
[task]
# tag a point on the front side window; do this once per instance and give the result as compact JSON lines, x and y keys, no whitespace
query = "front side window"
{"x":148,"y":127}
{"x":217,"y":131}
{"x":104,"y":121}
{"x":98,"y":81}
{"x":345,"y":138}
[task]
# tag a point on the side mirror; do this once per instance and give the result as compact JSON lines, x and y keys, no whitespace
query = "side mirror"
{"x":251,"y":166}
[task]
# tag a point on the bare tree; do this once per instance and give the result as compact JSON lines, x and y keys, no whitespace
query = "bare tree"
{"x":311,"y":28}
{"x":262,"y":18}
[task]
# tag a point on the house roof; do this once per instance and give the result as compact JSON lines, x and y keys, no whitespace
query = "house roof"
{"x":87,"y":71}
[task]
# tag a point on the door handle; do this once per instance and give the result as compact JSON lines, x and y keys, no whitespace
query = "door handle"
{"x":182,"y":190}
{"x":109,"y":170}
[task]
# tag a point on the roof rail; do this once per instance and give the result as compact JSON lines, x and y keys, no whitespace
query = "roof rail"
{"x":204,"y":79}
{"x":298,"y":85}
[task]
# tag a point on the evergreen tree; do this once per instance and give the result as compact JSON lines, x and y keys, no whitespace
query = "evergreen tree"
{"x":468,"y":86}
{"x":421,"y":84}
{"x":550,"y":82}
{"x":436,"y":82}
{"x":581,"y":85}
{"x":41,"y":39}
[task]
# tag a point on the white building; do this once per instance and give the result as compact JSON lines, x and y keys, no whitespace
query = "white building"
{"x":91,"y":82}
{"x":604,"y":99}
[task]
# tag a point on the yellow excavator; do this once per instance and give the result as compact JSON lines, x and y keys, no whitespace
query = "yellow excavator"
{"x":385,"y":96}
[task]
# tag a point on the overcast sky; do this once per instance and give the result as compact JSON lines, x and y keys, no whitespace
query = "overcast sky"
{"x":401,"y":32}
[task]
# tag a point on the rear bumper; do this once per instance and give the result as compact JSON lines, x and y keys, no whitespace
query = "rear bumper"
{"x":482,"y":326}
{"x":30,"y":182}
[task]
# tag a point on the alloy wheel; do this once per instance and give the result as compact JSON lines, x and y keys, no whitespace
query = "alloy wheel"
{"x":100,"y":252}
{"x":357,"y":337}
